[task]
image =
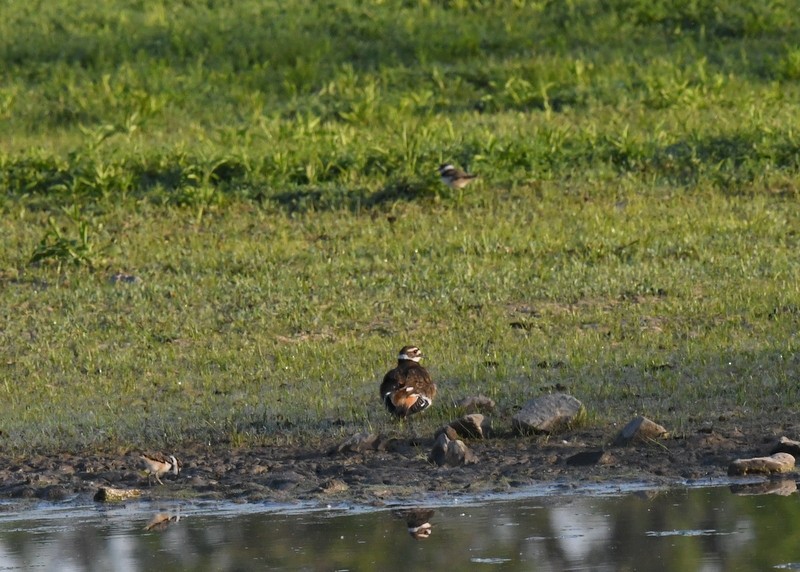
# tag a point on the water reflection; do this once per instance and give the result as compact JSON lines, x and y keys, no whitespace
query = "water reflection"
{"x":161,"y":520}
{"x":417,"y":521}
{"x":674,"y":529}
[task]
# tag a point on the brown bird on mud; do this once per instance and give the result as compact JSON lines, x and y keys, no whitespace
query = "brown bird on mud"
{"x":408,"y":388}
{"x":158,"y":465}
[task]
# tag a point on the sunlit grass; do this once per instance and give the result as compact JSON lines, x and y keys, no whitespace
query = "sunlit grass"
{"x":259,"y":323}
{"x":268,"y":172}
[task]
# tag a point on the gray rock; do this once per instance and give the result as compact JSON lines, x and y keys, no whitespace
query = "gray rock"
{"x":449,"y":452}
{"x":459,"y":454}
{"x":110,"y":494}
{"x":547,"y":414}
{"x":777,"y":463}
{"x":448,"y":430}
{"x":357,"y":443}
{"x":476,"y":403}
{"x":786,"y":445}
{"x":364,"y":441}
{"x":472,"y":426}
{"x":438,"y":454}
{"x":638,"y":430}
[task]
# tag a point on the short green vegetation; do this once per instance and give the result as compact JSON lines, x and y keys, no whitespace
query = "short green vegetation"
{"x":262,"y":174}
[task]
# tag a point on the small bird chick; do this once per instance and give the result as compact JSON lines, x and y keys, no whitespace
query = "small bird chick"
{"x":158,"y":465}
{"x":455,"y":178}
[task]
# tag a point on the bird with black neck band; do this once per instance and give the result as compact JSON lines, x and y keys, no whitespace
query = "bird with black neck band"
{"x":408,"y":388}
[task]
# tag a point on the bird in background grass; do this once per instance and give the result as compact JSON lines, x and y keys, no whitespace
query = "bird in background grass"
{"x":455,"y":178}
{"x":407,"y":389}
{"x":157,"y":465}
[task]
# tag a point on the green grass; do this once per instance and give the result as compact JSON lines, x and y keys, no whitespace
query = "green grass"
{"x":268,"y":171}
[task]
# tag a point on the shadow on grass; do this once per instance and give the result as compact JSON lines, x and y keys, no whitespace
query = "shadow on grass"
{"x":338,"y":197}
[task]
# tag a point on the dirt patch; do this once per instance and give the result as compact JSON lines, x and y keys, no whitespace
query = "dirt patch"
{"x":399,"y":472}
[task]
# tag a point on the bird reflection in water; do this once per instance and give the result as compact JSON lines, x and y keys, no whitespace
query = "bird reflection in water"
{"x":417,"y":521}
{"x":162,"y":520}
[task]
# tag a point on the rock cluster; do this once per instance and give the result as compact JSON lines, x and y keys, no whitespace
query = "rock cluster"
{"x":448,"y":448}
{"x":547,"y":414}
{"x":450,"y":451}
{"x":553,"y":413}
{"x":472,"y":426}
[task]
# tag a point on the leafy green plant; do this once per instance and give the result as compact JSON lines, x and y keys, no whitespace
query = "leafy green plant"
{"x":58,"y":248}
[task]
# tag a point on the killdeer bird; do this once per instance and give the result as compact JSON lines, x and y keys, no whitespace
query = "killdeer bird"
{"x":455,"y":178}
{"x":407,"y":389}
{"x":158,"y":465}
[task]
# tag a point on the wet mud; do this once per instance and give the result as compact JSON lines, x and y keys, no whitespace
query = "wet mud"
{"x":398,"y":471}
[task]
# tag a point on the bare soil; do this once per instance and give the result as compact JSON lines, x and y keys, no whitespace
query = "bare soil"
{"x":398,"y":470}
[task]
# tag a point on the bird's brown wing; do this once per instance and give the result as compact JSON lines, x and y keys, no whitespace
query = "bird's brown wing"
{"x":160,"y":457}
{"x":403,"y":387}
{"x":419,"y":378}
{"x":393,"y":386}
{"x":392,"y":381}
{"x":424,"y":389}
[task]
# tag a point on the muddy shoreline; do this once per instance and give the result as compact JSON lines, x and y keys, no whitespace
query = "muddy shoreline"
{"x":398,"y":473}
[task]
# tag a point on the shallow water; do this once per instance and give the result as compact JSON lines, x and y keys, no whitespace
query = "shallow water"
{"x":540,"y":529}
